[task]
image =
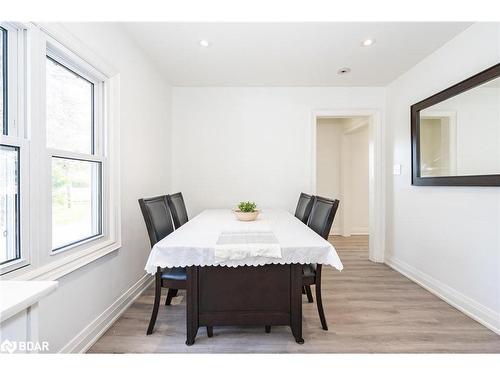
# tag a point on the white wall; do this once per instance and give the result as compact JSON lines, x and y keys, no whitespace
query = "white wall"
{"x":447,"y":238}
{"x":232,"y":144}
{"x":342,"y":171}
{"x":145,"y":129}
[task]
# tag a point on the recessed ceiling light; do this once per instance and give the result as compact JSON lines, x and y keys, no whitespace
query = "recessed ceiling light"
{"x":344,"y":71}
{"x":204,"y":43}
{"x":367,"y":42}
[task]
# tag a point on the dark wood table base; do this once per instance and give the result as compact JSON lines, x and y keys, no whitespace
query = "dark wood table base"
{"x":269,"y":295}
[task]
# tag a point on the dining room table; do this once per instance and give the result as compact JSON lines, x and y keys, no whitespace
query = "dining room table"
{"x":243,"y":272}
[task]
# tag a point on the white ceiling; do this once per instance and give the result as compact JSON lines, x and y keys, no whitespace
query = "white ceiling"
{"x":288,"y":54}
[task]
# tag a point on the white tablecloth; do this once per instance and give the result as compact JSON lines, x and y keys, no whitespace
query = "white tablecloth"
{"x":241,"y":245}
{"x":194,"y":243}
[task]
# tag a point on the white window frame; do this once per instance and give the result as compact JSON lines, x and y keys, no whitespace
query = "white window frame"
{"x":71,"y":61}
{"x":16,"y":42}
{"x":45,"y":264}
{"x":24,"y":258}
{"x":14,"y":81}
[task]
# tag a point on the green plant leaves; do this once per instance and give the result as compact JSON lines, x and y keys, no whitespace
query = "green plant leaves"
{"x":247,"y":206}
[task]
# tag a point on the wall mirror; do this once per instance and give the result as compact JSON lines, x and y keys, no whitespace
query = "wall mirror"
{"x":455,"y":134}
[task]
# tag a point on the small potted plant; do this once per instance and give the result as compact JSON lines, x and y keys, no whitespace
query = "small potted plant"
{"x":246,"y":211}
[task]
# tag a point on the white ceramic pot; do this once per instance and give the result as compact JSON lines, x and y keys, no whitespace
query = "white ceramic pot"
{"x":246,"y":216}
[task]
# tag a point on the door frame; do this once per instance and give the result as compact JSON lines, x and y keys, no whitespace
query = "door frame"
{"x":376,"y":173}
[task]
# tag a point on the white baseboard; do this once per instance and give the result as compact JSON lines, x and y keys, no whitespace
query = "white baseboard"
{"x":480,"y":313}
{"x":90,"y":334}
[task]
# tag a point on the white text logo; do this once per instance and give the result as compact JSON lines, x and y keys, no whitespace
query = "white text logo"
{"x":10,"y":347}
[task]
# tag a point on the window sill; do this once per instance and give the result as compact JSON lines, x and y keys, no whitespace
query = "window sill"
{"x":58,"y":269}
{"x":20,"y":295}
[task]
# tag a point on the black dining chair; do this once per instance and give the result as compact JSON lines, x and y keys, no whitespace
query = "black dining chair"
{"x":320,"y":220}
{"x":178,"y":209}
{"x":159,"y":224}
{"x":304,"y":206}
{"x":158,"y":219}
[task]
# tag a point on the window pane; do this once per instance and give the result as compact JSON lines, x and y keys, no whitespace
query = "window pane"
{"x":69,"y":109}
{"x":3,"y":81}
{"x":76,"y":201}
{"x":9,"y":203}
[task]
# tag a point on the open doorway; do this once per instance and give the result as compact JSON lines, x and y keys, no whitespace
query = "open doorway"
{"x":348,"y":165}
{"x":342,"y":171}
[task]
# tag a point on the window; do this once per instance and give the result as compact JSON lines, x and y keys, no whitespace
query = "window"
{"x":3,"y":79}
{"x":76,"y":201}
{"x":59,"y":181}
{"x":9,"y":204}
{"x":70,"y":112}
{"x":72,"y":116}
{"x":11,"y":154}
{"x":9,"y":172}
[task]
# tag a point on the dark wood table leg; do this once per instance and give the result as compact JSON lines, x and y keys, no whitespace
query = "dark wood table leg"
{"x":156,"y":305}
{"x":296,"y":302}
{"x":192,"y":304}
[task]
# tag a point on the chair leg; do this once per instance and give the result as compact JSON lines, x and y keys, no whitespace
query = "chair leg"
{"x":268,"y":329}
{"x":156,"y":305}
{"x":309,"y":294}
{"x":210,"y":331}
{"x":171,"y":294}
{"x":319,"y":302}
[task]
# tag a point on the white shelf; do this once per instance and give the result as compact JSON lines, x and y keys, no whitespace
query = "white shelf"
{"x":16,"y":296}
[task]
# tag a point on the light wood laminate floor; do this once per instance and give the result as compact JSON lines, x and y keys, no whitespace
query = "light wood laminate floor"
{"x":370,"y":308}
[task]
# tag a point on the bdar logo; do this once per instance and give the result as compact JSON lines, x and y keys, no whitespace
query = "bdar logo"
{"x":8,"y":346}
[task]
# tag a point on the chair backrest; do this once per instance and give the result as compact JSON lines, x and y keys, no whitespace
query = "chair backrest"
{"x":304,"y":206}
{"x":322,"y":215}
{"x":178,"y":209}
{"x":157,"y":217}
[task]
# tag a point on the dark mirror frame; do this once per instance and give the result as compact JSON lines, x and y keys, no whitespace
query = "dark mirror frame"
{"x":468,"y":180}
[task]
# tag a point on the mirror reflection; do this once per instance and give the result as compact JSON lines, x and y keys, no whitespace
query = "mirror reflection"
{"x":461,"y":135}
